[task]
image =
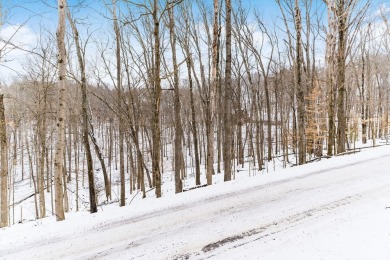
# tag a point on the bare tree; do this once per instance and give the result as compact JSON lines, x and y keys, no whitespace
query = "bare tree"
{"x":228,"y":96}
{"x":4,"y":185}
{"x":184,"y":40}
{"x":212,"y":99}
{"x":344,"y":17}
{"x":342,"y":14}
{"x":329,"y":77}
{"x":4,"y":166}
{"x":296,"y":55}
{"x":122,"y":201}
{"x":59,"y":157}
{"x":85,"y":115}
{"x":299,"y":86}
{"x":179,"y":160}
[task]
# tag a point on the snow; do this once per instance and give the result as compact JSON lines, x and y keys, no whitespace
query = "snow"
{"x":332,"y":209}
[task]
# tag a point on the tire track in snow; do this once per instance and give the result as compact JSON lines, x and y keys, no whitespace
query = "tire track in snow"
{"x":278,"y":226}
{"x":281,"y":225}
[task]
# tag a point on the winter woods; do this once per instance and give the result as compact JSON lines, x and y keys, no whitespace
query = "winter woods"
{"x":132,"y":98}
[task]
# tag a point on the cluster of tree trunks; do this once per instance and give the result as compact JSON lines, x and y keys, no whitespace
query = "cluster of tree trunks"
{"x":192,"y":86}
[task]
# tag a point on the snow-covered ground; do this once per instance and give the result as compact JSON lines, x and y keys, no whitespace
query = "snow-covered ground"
{"x":332,"y":209}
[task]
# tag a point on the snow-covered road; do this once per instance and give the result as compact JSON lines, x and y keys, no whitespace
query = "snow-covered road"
{"x":333,"y":209}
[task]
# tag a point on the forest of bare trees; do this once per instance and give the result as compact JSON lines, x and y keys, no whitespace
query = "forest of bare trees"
{"x":189,"y":89}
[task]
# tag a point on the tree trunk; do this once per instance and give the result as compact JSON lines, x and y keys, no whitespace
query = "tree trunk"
{"x":227,"y":147}
{"x":178,"y":127}
{"x":59,"y":157}
{"x":4,"y":166}
{"x":189,"y":62}
{"x":299,"y":89}
{"x":122,"y":201}
{"x":41,"y":173}
{"x":85,"y":116}
{"x":107,"y":182}
{"x":341,"y":118}
{"x":211,"y":102}
{"x":156,"y":131}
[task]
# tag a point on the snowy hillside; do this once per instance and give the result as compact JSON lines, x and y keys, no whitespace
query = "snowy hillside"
{"x":333,"y":209}
{"x":182,"y":129}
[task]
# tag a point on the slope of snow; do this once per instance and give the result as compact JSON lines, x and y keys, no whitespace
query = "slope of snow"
{"x":333,"y":209}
